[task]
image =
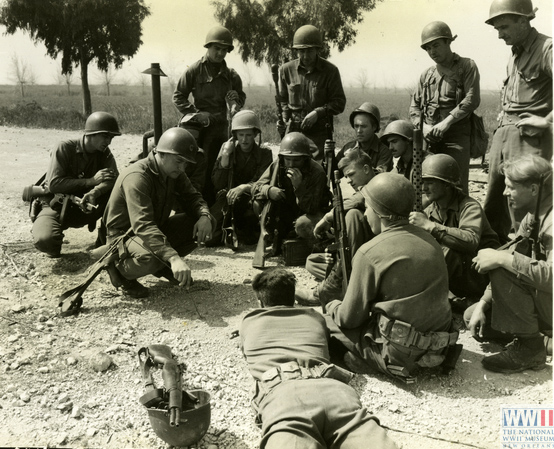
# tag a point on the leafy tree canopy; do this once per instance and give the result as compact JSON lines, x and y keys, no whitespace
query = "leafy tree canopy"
{"x":264,"y":28}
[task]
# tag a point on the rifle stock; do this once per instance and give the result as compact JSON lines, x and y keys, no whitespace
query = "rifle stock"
{"x":341,"y":237}
{"x":275,"y":76}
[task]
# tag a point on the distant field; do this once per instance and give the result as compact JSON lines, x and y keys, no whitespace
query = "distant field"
{"x":52,"y":107}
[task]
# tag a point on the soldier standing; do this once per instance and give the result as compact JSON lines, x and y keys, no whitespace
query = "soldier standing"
{"x":525,"y":123}
{"x":215,"y":89}
{"x":446,"y":95}
{"x":310,"y":90}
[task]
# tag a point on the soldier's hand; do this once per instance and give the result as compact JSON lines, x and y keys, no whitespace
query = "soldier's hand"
{"x":477,"y":321}
{"x":106,"y":174}
{"x":88,"y":202}
{"x":309,"y":120}
{"x":281,"y":128}
{"x":204,"y":118}
{"x":528,"y":119}
{"x":437,"y":132}
{"x":321,"y":228}
{"x":488,"y":259}
{"x":295,"y":176}
{"x":276,"y":194}
{"x":202,"y":229}
{"x":181,"y":271}
{"x":232,"y":95}
{"x":234,"y":194}
{"x":420,"y":219}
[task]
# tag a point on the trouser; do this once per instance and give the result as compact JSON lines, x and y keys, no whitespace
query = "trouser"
{"x":210,"y":140}
{"x":137,"y":261}
{"x":48,"y":228}
{"x":463,"y":280}
{"x":455,"y":143}
{"x":507,"y":144}
{"x":318,"y":414}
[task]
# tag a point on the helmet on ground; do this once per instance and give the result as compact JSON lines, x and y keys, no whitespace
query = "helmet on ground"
{"x":101,"y":122}
{"x":193,"y":424}
{"x":221,"y":36}
{"x":369,"y":109}
{"x":307,"y":36}
{"x":516,"y":7}
{"x":402,"y":128}
{"x":442,"y":167}
{"x":178,"y":141}
{"x":246,"y":119}
{"x":295,"y":145}
{"x":434,"y":31}
{"x":390,"y":195}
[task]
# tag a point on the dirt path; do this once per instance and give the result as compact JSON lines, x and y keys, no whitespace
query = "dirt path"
{"x":50,"y":395}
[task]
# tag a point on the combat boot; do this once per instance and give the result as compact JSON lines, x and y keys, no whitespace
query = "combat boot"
{"x":132,"y":288}
{"x":520,"y":355}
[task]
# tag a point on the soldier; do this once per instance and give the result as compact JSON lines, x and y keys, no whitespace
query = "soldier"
{"x":518,"y":301}
{"x":301,"y":193}
{"x":395,"y":316}
{"x":457,"y":222}
{"x":365,"y":120}
{"x":446,"y":95}
{"x":217,"y":91}
{"x":301,"y":399}
{"x":142,"y":200}
{"x":525,"y":123}
{"x":82,"y":168}
{"x":195,"y":172}
{"x":310,"y":89}
{"x":398,"y":136}
{"x":240,"y":163}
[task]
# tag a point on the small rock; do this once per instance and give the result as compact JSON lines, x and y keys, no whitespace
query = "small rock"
{"x":113,"y":348}
{"x":15,"y":365}
{"x":55,"y":390}
{"x":91,"y":432}
{"x":71,"y":361}
{"x":42,"y":318}
{"x":212,"y":446}
{"x":64,"y":397}
{"x":18,"y":308}
{"x":61,"y":439}
{"x":25,"y":397}
{"x":43,"y":370}
{"x":13,"y":338}
{"x":100,"y":361}
{"x":76,"y":412}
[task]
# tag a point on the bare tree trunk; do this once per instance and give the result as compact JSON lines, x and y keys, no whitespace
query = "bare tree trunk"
{"x":87,"y":102}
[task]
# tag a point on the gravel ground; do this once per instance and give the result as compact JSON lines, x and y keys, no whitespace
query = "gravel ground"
{"x":54,"y":391}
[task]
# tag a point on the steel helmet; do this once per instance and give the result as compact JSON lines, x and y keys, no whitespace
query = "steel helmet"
{"x":295,"y":145}
{"x":516,"y":7}
{"x":178,"y":141}
{"x":191,"y":124}
{"x":371,"y":110}
{"x":442,"y":167}
{"x":390,"y":195}
{"x":193,"y":424}
{"x":402,"y":128}
{"x":307,"y":36}
{"x":246,"y":119}
{"x":434,"y":31}
{"x":221,"y":36}
{"x":101,"y":122}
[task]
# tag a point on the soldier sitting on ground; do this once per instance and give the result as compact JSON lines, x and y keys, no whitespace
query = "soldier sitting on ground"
{"x":395,"y":316}
{"x":398,"y":136}
{"x":80,"y":177}
{"x":518,"y":302}
{"x":142,"y":199}
{"x":240,"y":163}
{"x":458,"y":223}
{"x":365,"y":120}
{"x":301,"y":399}
{"x":301,"y":194}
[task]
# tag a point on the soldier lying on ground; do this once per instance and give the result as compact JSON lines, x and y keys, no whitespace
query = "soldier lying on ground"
{"x":142,"y":199}
{"x":518,"y":302}
{"x":86,"y":169}
{"x":458,"y":223}
{"x":301,"y":399}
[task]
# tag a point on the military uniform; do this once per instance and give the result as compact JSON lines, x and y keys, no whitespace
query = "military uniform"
{"x":69,"y":172}
{"x":380,"y":154}
{"x":527,"y":88}
{"x":298,"y":400}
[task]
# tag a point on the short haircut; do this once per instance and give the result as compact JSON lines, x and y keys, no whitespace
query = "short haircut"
{"x":354,"y":156}
{"x":275,"y":287}
{"x":527,"y":170}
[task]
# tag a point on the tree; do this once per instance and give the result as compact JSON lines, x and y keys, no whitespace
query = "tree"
{"x":66,"y":78}
{"x":264,"y":28}
{"x":21,"y":73}
{"x":363,"y":79}
{"x":107,"y":31}
{"x":108,"y":77}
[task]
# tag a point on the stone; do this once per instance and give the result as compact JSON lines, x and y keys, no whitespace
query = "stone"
{"x":100,"y":361}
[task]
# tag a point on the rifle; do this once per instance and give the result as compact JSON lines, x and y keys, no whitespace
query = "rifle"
{"x":269,"y":217}
{"x":329,"y":149}
{"x":230,"y":238}
{"x":275,"y":76}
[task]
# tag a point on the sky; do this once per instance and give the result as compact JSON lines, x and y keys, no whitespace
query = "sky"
{"x":386,"y":50}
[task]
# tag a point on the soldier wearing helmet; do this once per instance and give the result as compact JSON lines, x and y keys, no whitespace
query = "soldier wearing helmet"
{"x":525,"y":123}
{"x":365,"y":120}
{"x":459,"y":225}
{"x":240,"y":164}
{"x":446,"y":96}
{"x":384,"y":311}
{"x":84,"y":168}
{"x":301,"y":189}
{"x":217,"y":93}
{"x":139,"y":202}
{"x":310,"y":89}
{"x":398,"y":136}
